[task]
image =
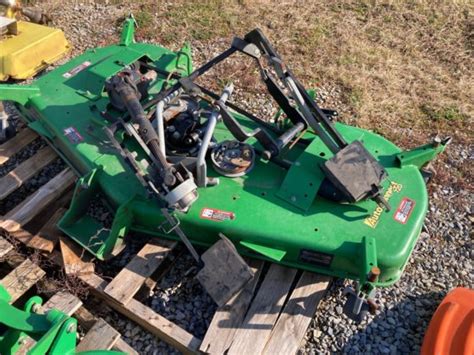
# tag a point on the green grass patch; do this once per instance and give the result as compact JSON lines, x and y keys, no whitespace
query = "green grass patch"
{"x":356,"y":97}
{"x":448,"y":113}
{"x":202,"y":20}
{"x":144,"y":19}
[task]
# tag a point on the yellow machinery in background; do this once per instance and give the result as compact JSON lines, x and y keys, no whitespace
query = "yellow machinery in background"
{"x":26,"y":48}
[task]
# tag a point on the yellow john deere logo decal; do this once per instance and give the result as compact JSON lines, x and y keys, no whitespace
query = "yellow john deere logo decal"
{"x":374,"y":218}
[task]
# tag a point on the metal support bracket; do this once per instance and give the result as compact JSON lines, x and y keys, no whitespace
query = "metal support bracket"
{"x":304,"y":178}
{"x":422,"y":155}
{"x":128,"y":32}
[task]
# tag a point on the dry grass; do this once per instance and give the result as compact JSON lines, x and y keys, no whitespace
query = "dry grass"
{"x":401,"y":68}
{"x":396,"y":64}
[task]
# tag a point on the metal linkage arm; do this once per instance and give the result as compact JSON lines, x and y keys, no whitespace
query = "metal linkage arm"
{"x":308,"y":111}
{"x":201,"y":167}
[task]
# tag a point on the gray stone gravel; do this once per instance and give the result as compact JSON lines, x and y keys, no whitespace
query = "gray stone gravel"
{"x":180,"y":298}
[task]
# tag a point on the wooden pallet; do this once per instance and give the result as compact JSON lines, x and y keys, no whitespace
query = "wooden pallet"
{"x":100,"y":335}
{"x":271,"y":315}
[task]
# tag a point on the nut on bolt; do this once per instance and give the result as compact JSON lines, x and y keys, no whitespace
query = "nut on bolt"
{"x":71,"y":328}
{"x":374,"y":273}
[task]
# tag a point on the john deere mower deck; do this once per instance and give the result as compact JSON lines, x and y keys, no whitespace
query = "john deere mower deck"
{"x":172,"y":159}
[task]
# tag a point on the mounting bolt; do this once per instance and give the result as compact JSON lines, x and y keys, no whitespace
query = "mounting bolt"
{"x":436,"y":141}
{"x":266,"y":155}
{"x":71,"y":328}
{"x":35,"y":308}
{"x":374,"y":273}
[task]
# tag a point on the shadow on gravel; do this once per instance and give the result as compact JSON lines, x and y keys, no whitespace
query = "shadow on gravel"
{"x":396,"y":330}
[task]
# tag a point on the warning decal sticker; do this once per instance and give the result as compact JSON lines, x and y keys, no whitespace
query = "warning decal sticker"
{"x":404,"y":210}
{"x":216,"y":215}
{"x":73,"y":135}
{"x":76,"y":70}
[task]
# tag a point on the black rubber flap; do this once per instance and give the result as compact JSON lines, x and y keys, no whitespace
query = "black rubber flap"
{"x":225,"y":272}
{"x":355,"y":172}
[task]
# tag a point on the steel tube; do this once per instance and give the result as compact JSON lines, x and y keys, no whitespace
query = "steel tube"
{"x":288,"y":135}
{"x":307,"y":114}
{"x":160,"y":124}
{"x":201,"y":167}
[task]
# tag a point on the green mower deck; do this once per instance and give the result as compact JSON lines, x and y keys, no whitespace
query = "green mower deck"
{"x":274,"y":211}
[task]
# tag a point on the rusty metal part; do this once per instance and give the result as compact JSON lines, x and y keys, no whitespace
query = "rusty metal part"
{"x":175,"y":109}
{"x":303,"y":132}
{"x":374,"y":274}
{"x":233,"y":158}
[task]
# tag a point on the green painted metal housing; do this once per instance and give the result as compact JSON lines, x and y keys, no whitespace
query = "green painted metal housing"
{"x":271,"y":213}
{"x":54,"y":333}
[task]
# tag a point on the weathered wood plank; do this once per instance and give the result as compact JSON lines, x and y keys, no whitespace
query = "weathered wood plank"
{"x":35,"y":203}
{"x":87,"y":320}
{"x":73,"y":263}
{"x":139,"y":313}
{"x":146,"y":317}
{"x":15,"y":178}
{"x":122,"y":346}
{"x":101,"y":336}
{"x":151,"y":282}
{"x":48,"y":236}
{"x":17,"y":143}
{"x":5,"y":247}
{"x":46,"y":239}
{"x":22,"y":278}
{"x":21,"y":235}
{"x":63,"y":301}
{"x":229,"y":317}
{"x":257,"y":326}
{"x":129,"y":280}
{"x":296,"y":316}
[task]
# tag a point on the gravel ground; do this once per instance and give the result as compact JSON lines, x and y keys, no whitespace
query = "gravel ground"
{"x":442,"y":259}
